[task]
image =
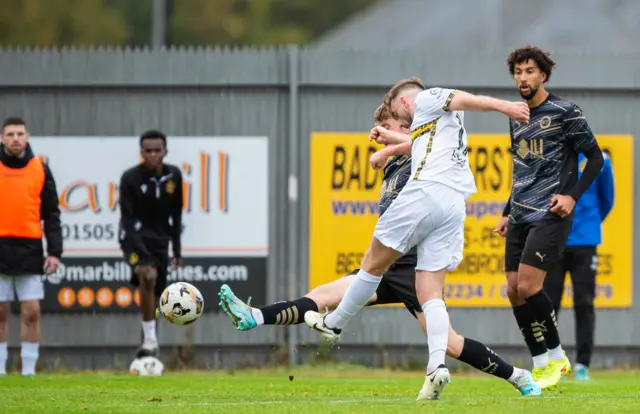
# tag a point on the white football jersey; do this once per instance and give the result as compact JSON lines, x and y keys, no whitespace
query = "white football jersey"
{"x":439,"y":151}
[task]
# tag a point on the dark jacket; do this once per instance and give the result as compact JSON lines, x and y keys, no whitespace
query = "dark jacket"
{"x":25,"y":256}
{"x":151,"y":210}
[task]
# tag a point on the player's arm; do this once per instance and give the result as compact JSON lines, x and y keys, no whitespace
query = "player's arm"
{"x":128,"y":218}
{"x":396,"y":138}
{"x":465,"y":101}
{"x":455,"y":100}
{"x":398,"y":149}
{"x":384,"y":136}
{"x":579,"y":134}
{"x":50,"y":214}
{"x":507,"y":208}
{"x":379,"y":159}
{"x":605,"y":187}
{"x":176,"y":217}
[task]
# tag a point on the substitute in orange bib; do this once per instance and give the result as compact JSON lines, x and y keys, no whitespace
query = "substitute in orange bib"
{"x":29,"y":197}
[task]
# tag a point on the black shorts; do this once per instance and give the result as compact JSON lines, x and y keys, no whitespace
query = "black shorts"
{"x":539,"y":244}
{"x":159,"y":259}
{"x":398,"y":285}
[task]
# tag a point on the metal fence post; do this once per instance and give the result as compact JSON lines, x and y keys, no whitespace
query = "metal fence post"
{"x":293,"y":216}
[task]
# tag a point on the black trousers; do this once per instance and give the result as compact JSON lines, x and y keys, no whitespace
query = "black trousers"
{"x":581,"y":263}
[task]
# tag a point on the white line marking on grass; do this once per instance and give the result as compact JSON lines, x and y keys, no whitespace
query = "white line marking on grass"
{"x":320,"y":401}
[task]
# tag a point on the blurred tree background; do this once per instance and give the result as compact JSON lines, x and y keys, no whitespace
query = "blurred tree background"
{"x":188,"y":22}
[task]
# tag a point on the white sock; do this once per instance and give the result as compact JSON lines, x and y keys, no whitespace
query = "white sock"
{"x":516,"y":373}
{"x":149,"y":330}
{"x":29,"y":355}
{"x":4,"y":355}
{"x":357,"y":295}
{"x":541,"y":361}
{"x":437,"y":319}
{"x":258,"y":316}
{"x":556,"y":354}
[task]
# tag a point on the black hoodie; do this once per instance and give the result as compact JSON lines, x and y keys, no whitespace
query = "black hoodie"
{"x":24,"y":256}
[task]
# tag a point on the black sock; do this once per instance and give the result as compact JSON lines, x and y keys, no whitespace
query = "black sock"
{"x":546,"y":316}
{"x":484,"y":359}
{"x":530,"y":329}
{"x":288,"y":312}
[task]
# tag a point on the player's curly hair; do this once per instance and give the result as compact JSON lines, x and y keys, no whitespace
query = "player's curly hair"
{"x":530,"y":52}
{"x":413,"y":82}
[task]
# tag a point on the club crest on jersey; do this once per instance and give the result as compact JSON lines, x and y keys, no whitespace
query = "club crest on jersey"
{"x":171,"y":187}
{"x":545,"y":122}
{"x":133,"y":259}
{"x":533,"y":148}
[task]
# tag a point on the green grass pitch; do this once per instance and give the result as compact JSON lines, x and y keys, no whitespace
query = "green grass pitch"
{"x":334,"y":389}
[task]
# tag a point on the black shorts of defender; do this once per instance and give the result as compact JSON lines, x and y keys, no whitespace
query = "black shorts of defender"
{"x":159,"y":259}
{"x":540,"y":244}
{"x":398,"y":285}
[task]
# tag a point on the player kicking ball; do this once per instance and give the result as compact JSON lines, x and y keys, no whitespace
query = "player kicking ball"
{"x":429,"y":213}
{"x":397,"y":286}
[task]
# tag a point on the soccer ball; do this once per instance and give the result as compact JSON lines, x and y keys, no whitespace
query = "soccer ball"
{"x":146,"y":367}
{"x":181,"y":303}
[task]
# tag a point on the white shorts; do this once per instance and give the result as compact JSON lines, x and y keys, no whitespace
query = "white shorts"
{"x":429,"y":215}
{"x":24,"y":287}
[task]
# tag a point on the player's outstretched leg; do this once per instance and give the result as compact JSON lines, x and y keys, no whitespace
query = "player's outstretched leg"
{"x":239,"y":312}
{"x":482,"y":358}
{"x":245,"y":317}
{"x":376,"y":261}
{"x":284,"y":313}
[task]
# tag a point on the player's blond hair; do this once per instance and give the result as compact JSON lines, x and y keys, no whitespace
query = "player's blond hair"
{"x":402,"y":86}
{"x":382,"y":113}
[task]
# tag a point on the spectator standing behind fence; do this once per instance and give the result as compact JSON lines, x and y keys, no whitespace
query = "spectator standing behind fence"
{"x":29,"y":197}
{"x":581,"y":261}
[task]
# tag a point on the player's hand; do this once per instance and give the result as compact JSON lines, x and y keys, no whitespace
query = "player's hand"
{"x":378,"y":159}
{"x":51,"y":265}
{"x":562,"y":205}
{"x":383,"y":136}
{"x":176,"y":263}
{"x":518,"y":111}
{"x":379,"y":135}
{"x":502,"y":226}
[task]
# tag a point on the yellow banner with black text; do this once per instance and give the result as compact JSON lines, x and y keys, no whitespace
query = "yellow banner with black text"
{"x":344,"y":192}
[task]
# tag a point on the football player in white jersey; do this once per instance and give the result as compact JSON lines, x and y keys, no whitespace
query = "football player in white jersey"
{"x":428,"y":213}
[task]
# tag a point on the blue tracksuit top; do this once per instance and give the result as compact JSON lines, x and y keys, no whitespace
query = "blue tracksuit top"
{"x":593,"y":207}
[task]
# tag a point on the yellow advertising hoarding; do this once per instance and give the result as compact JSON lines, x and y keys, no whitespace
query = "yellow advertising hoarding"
{"x":344,"y":192}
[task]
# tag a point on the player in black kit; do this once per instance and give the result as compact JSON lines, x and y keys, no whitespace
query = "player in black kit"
{"x":150,"y":218}
{"x":538,"y":217}
{"x":397,"y":286}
